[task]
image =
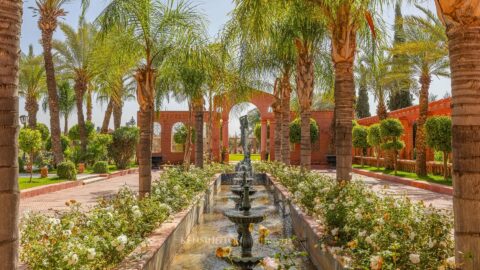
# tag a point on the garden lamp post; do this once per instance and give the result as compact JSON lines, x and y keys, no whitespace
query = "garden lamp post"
{"x":23,"y":120}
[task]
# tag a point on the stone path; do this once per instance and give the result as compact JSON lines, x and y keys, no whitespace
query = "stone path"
{"x":87,"y":194}
{"x":437,"y":200}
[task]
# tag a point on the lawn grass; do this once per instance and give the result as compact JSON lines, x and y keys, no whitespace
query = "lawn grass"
{"x":24,"y":182}
{"x":239,"y":157}
{"x":437,"y":179}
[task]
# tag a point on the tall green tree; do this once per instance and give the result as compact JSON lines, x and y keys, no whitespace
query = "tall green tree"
{"x":67,"y":100}
{"x":400,"y":92}
{"x":362,"y":106}
{"x":360,"y":141}
{"x":32,"y":83}
{"x":30,"y":142}
{"x":10,"y":24}
{"x":427,"y":50}
{"x":156,"y":28}
{"x":75,"y":61}
{"x":438,"y":131}
{"x":49,"y":11}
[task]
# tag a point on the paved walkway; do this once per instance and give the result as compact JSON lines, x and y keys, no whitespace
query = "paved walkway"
{"x":87,"y":194}
{"x":437,"y":200}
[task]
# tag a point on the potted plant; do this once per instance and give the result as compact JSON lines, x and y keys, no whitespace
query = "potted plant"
{"x":81,"y":168}
{"x":44,"y":172}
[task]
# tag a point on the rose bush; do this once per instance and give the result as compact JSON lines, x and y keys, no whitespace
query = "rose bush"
{"x":368,"y":231}
{"x":104,"y":235}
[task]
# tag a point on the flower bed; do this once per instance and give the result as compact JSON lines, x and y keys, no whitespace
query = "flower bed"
{"x":366,"y":231}
{"x":102,"y":236}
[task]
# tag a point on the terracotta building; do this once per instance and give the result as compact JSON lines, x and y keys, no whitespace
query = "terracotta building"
{"x":165,"y":122}
{"x":408,"y":116}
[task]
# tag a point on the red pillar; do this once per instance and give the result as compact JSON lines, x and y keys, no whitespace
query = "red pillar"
{"x":263,"y":140}
{"x":272,"y":139}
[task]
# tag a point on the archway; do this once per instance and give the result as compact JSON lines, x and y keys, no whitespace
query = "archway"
{"x":263,"y":102}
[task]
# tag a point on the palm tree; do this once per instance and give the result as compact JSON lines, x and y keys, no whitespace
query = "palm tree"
{"x":50,"y":11}
{"x":345,"y":20}
{"x":461,"y":19}
{"x":266,"y":45}
{"x":427,"y":51}
{"x":11,"y":20}
{"x":67,"y":99}
{"x":309,"y":34}
{"x":74,"y":59}
{"x":32,"y":83}
{"x":113,"y":68}
{"x":154,"y":26}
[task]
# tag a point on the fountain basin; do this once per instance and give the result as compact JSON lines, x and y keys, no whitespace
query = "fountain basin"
{"x":245,"y":217}
{"x":246,"y":262}
{"x":237,"y":190}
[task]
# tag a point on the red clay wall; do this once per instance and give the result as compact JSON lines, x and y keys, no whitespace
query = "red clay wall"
{"x":408,"y":117}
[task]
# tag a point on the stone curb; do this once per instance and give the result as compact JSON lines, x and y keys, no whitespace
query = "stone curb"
{"x":41,"y":190}
{"x":446,"y":190}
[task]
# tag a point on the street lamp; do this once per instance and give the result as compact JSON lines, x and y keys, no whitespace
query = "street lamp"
{"x":23,"y":120}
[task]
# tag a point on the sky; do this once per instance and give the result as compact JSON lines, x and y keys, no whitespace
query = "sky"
{"x":216,"y":11}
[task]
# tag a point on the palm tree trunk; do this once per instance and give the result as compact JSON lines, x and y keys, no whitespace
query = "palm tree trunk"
{"x":344,"y":93}
{"x":106,"y":118}
{"x":145,"y":78}
{"x":188,"y":148}
{"x":89,"y":105}
{"x":80,"y":88}
{"x":464,"y":47}
{"x":10,"y":23}
{"x":31,"y":106}
{"x":286,"y":93}
{"x":65,"y":127}
{"x":304,"y":78}
{"x":198,"y":107}
{"x":278,"y":136}
{"x":117,"y":115}
{"x":445,"y":165}
{"x":421,"y":162}
{"x":52,"y":95}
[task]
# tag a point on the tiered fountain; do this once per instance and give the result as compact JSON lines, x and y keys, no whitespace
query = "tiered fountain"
{"x":243,"y":215}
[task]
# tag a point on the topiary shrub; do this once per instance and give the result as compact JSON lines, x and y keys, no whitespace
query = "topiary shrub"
{"x":359,"y":139}
{"x":67,"y":170}
{"x":124,"y":143}
{"x":296,"y":131}
{"x":391,"y":130}
{"x":100,"y":167}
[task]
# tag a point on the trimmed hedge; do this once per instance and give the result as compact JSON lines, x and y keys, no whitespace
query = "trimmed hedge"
{"x":67,"y":170}
{"x":100,"y":167}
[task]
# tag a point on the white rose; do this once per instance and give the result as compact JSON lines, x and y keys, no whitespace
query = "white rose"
{"x":368,"y":240}
{"x":412,"y":236}
{"x":73,"y":259}
{"x":122,"y":239}
{"x":451,"y":262}
{"x":376,"y":262}
{"x":414,"y":258}
{"x":67,"y":232}
{"x":335,"y":232}
{"x":362,"y":233}
{"x":358,"y":216}
{"x":91,"y":253}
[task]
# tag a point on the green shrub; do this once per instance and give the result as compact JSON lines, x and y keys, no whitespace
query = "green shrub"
{"x":97,"y":148}
{"x":43,"y":130}
{"x":67,"y":170}
{"x":361,"y":226}
{"x":21,"y":165}
{"x":74,"y":132}
{"x":64,"y":140}
{"x":124,"y":143}
{"x":296,"y":131}
{"x":180,"y":134}
{"x":103,"y":235}
{"x":100,"y":167}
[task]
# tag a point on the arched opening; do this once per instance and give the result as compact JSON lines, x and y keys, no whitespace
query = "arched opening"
{"x":234,"y":134}
{"x":157,"y":138}
{"x":179,"y":137}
